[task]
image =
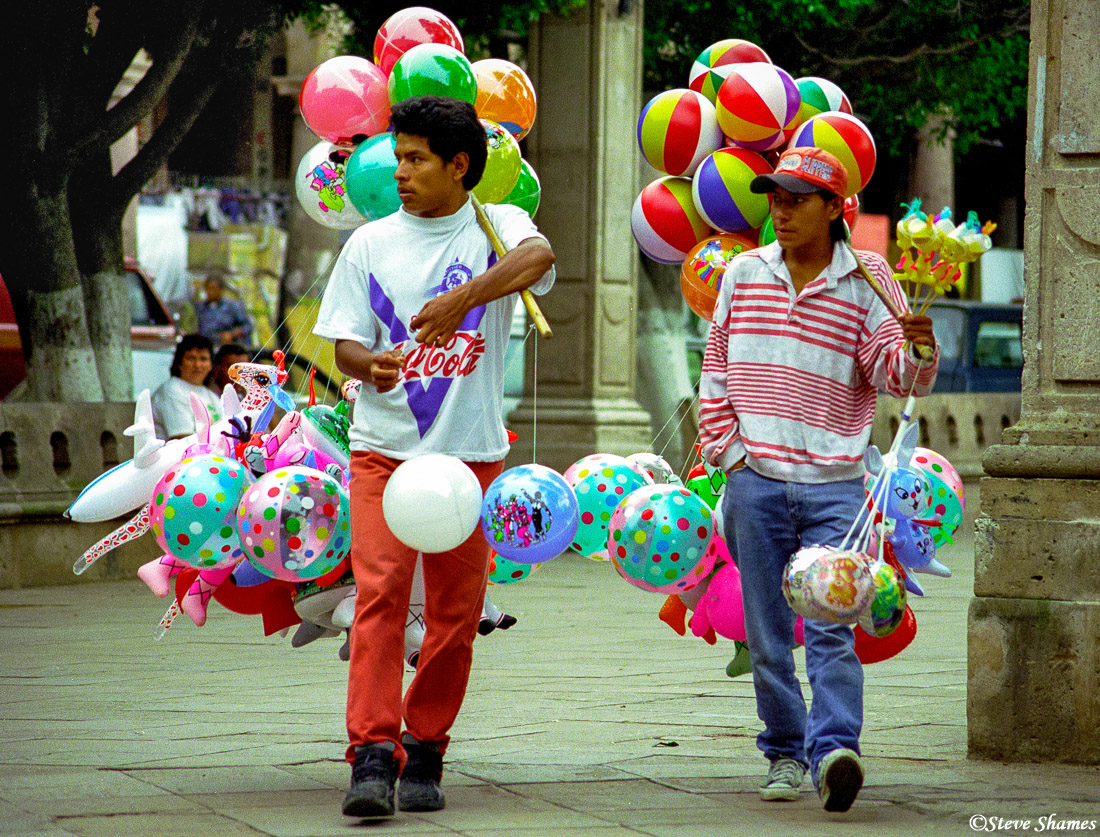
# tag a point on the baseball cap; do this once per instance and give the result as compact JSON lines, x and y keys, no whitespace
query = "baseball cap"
{"x":802,"y":171}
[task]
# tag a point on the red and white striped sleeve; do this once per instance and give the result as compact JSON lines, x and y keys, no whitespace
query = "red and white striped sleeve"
{"x":719,"y":429}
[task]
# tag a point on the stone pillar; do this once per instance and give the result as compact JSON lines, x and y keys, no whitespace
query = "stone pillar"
{"x":587,"y":70}
{"x":1034,"y":624}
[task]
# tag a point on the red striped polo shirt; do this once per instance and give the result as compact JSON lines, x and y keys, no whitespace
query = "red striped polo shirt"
{"x":790,"y":381}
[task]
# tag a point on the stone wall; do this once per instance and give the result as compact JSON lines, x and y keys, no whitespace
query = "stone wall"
{"x":48,"y":453}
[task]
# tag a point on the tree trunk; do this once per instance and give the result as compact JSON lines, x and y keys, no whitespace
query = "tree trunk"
{"x":62,"y":365}
{"x":107,"y":302}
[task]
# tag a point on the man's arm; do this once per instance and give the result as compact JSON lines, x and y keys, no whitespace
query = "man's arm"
{"x":519,"y":268}
{"x":381,"y":369}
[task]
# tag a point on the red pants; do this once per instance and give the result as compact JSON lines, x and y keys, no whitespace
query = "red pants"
{"x":454,"y":588}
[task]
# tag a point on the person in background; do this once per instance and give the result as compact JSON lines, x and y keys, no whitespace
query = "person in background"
{"x":221,"y":318}
{"x":225,"y":357}
{"x":190,"y":375}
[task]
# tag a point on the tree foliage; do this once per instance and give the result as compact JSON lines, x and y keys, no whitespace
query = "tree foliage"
{"x":899,"y":61}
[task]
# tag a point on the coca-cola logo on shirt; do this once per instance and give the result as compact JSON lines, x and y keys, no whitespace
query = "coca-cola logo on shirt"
{"x":457,"y":359}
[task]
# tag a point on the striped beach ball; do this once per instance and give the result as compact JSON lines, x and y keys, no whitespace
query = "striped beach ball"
{"x":756,"y":104}
{"x":721,"y":193}
{"x":820,"y":95}
{"x":665,"y":222}
{"x":714,"y":63}
{"x":677,"y":129}
{"x":845,"y":137}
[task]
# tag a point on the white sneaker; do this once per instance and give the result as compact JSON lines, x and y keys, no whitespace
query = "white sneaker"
{"x":839,"y":778}
{"x":784,"y":781}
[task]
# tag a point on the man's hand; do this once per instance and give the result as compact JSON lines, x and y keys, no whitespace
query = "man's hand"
{"x":385,"y":369}
{"x":440,"y":318}
{"x":918,"y":330}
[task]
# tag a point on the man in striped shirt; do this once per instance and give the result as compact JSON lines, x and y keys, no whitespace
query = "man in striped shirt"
{"x":798,"y":347}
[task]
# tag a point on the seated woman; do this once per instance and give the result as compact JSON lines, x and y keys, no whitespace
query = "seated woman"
{"x":191,"y":372}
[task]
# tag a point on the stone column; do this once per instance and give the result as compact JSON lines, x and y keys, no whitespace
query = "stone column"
{"x":587,"y":70}
{"x":1034,"y":624}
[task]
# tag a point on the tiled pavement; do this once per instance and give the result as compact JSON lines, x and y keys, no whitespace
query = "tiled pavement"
{"x":589,"y":718}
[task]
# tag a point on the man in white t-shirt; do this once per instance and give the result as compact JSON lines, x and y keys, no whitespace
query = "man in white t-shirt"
{"x":420,"y":308}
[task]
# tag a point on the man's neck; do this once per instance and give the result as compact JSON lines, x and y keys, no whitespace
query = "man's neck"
{"x":806,"y":263}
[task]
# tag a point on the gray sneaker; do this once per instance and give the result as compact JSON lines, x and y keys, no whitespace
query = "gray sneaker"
{"x":839,"y":778}
{"x":784,"y":781}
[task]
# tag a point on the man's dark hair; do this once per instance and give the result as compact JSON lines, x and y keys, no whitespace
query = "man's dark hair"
{"x":449,"y":125}
{"x":186,"y":344}
{"x":837,"y":232}
{"x":229,"y":349}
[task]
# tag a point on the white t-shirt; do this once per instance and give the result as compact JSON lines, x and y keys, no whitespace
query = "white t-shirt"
{"x":171,"y":404}
{"x":449,"y":399}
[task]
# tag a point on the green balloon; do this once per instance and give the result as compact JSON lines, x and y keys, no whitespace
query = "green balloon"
{"x":368,"y":177}
{"x":767,"y":232}
{"x":527,"y":192}
{"x":433,"y":69}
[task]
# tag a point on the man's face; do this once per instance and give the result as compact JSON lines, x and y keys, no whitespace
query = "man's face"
{"x":427,"y":185}
{"x":802,"y":219}
{"x":213,"y":291}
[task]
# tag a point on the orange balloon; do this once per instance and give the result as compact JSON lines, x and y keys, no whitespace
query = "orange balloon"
{"x":505,"y":95}
{"x":706,"y":262}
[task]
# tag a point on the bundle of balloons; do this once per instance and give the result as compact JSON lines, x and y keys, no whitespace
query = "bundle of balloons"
{"x":244,"y":515}
{"x":347,"y":178}
{"x":710,"y":139}
{"x":933,"y":251}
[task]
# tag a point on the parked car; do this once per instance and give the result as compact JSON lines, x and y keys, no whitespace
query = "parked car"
{"x":153,"y":335}
{"x":981,"y":345}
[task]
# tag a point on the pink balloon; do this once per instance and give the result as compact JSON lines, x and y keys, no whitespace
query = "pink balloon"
{"x":345,"y":100}
{"x":721,"y":607}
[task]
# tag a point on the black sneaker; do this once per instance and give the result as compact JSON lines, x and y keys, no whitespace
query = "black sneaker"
{"x":373,"y":775}
{"x":419,"y":789}
{"x":840,"y":776}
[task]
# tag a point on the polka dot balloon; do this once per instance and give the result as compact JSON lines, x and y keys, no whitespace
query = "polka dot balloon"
{"x":944,"y":490}
{"x":193,"y":510}
{"x":659,"y":539}
{"x":294,"y":524}
{"x":600,"y":481}
{"x":505,"y":571}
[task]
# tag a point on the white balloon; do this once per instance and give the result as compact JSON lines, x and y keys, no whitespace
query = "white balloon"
{"x":319,"y":185}
{"x":432,"y":503}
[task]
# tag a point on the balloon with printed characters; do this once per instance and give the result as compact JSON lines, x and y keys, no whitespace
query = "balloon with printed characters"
{"x":502,"y":166}
{"x":659,"y":539}
{"x":411,"y":27}
{"x":703,"y":269}
{"x":294,"y":524}
{"x":321,"y":187}
{"x":886,"y":609}
{"x":600,"y":481}
{"x":193,"y":511}
{"x":530,"y":514}
{"x":344,"y":100}
{"x":824,"y":583}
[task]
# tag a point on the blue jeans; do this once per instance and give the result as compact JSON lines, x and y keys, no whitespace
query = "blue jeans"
{"x":771,"y":520}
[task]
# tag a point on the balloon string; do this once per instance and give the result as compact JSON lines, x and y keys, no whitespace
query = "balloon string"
{"x":535,"y":405}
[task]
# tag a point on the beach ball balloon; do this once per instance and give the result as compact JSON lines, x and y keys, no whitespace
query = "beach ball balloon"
{"x":665,"y":222}
{"x":756,"y":104}
{"x":601,"y":481}
{"x":824,"y":583}
{"x":506,"y":571}
{"x":369,"y":179}
{"x":659,"y":539}
{"x":677,"y":129}
{"x":887,"y":607}
{"x":720,"y":190}
{"x":767,"y":231}
{"x":715,"y":63}
{"x":411,"y":27}
{"x":193,"y":510}
{"x":345,"y":100}
{"x":818,"y":96}
{"x":851,"y":211}
{"x":432,"y":502}
{"x":432,"y":70}
{"x":505,"y":95}
{"x":294,"y":524}
{"x":944,"y":490}
{"x":501,"y":167}
{"x":530,"y":514}
{"x":320,"y":185}
{"x":527,"y":193}
{"x":702,"y":271}
{"x":846,"y":138}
